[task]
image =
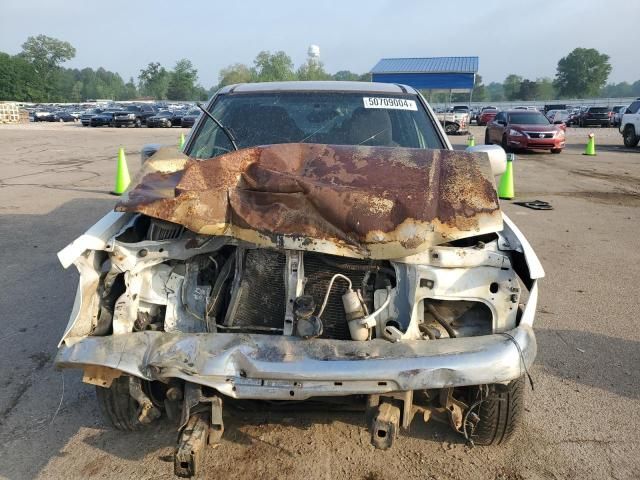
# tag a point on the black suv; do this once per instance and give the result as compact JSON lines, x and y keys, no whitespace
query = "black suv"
{"x":595,"y":116}
{"x":134,"y":115}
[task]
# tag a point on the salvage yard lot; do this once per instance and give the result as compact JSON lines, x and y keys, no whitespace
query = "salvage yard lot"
{"x":581,"y":419}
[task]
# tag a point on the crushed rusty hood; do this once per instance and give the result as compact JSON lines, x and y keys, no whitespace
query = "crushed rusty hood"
{"x":356,"y":201}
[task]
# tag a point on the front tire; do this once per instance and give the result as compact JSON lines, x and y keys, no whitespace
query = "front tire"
{"x":118,"y":408}
{"x":629,"y":136}
{"x":504,"y":144}
{"x":556,"y":150}
{"x":487,"y":141}
{"x":500,"y":413}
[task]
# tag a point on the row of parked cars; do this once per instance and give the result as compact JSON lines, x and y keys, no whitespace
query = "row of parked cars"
{"x":589,"y":116}
{"x":584,"y":116}
{"x":134,"y":115}
{"x":528,"y":128}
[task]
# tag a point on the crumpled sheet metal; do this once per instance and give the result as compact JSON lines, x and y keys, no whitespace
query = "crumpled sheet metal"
{"x":376,"y":202}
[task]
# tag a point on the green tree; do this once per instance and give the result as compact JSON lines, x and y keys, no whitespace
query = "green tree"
{"x":130,"y":90}
{"x":236,"y":73}
{"x":479,"y":90}
{"x":312,"y":70}
{"x":511,"y":87}
{"x":274,"y":67}
{"x":19,"y":81}
{"x":546,"y":91}
{"x":46,"y":54}
{"x":182,"y":82}
{"x":346,"y":75}
{"x":582,"y":73}
{"x":495,"y":92}
{"x":154,"y":81}
{"x":528,"y":90}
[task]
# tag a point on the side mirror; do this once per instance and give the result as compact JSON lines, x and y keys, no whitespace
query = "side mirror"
{"x":497,"y":157}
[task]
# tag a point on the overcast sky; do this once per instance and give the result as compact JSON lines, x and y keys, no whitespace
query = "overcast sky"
{"x":526,"y":38}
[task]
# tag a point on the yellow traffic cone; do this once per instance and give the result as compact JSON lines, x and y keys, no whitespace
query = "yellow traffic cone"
{"x":122,"y":174}
{"x":471,"y":141}
{"x":181,"y":141}
{"x":591,"y":145}
{"x":506,"y":188}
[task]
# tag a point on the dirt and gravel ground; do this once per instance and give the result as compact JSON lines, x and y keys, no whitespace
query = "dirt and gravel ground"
{"x":581,"y":420}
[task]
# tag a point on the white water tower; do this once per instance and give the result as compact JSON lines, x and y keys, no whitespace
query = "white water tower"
{"x":313,"y":53}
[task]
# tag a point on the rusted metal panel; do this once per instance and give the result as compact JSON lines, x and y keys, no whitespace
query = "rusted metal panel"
{"x":377,"y":202}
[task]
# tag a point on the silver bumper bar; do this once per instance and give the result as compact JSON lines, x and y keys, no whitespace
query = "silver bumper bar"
{"x":278,"y":367}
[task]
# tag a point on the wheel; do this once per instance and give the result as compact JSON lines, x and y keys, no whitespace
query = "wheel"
{"x":169,"y":124}
{"x":138,"y":123}
{"x":61,"y":120}
{"x":504,"y":143}
{"x":486,"y":138}
{"x":451,"y":128}
{"x":556,"y":150}
{"x":500,"y":413}
{"x":629,"y":136}
{"x":117,"y":406}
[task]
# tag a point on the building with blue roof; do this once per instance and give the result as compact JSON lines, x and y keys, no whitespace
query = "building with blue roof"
{"x":444,"y":74}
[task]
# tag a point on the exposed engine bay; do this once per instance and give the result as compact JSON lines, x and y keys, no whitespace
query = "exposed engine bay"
{"x":160,"y":277}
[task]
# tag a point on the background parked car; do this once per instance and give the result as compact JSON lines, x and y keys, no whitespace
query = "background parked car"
{"x":55,"y":116}
{"x":190,"y":118}
{"x":617,"y":113}
{"x":104,"y":119}
{"x":165,"y":118}
{"x":558,"y":116}
{"x":86,"y":117}
{"x":487,"y":114}
{"x":134,"y":115}
{"x":630,"y":125}
{"x":595,"y":116}
{"x":525,"y":129}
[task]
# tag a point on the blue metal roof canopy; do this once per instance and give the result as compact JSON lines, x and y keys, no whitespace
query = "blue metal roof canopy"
{"x":452,"y":74}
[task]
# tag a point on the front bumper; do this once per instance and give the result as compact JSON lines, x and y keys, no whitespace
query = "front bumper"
{"x":289,"y":368}
{"x":124,"y":121}
{"x":543,"y":143}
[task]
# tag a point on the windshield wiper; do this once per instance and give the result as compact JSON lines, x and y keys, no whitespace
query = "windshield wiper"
{"x":222,"y":127}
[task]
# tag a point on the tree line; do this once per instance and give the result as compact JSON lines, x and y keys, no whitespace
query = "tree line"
{"x":583,"y":73}
{"x":36,"y":74}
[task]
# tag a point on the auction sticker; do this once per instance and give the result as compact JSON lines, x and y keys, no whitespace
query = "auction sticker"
{"x":391,"y":103}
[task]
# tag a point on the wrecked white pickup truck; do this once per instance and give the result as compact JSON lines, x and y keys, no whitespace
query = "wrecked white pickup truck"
{"x":315,"y":239}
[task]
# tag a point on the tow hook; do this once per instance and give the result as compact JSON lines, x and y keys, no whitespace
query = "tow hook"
{"x":385,"y":425}
{"x":385,"y":414}
{"x":201,"y":425}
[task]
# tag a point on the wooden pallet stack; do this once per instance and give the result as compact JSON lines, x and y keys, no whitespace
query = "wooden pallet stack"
{"x":9,"y":113}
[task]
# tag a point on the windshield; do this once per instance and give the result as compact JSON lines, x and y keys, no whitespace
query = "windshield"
{"x":598,"y":110}
{"x":195,"y":111}
{"x":460,"y":109}
{"x":315,"y":117}
{"x":528,"y":118}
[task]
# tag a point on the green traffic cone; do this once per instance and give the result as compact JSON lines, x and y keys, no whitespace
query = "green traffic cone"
{"x":506,"y":188}
{"x":471,"y":141}
{"x":181,"y":141}
{"x":591,"y":146}
{"x":122,"y":174}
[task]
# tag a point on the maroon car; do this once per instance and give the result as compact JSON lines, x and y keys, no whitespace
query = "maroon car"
{"x":524,"y":129}
{"x":487,"y":115}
